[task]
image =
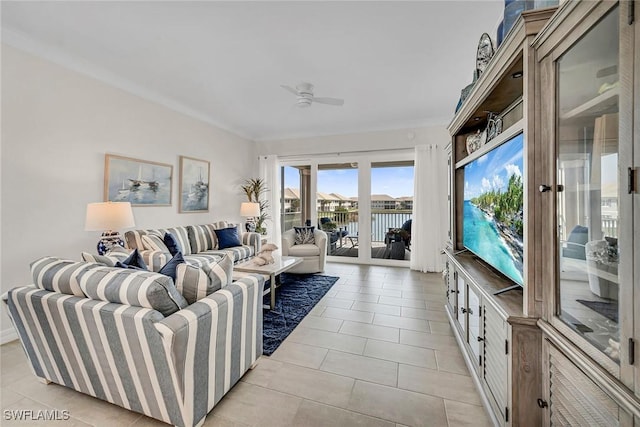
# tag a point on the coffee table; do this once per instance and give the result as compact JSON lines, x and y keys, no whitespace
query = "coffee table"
{"x":281,"y":264}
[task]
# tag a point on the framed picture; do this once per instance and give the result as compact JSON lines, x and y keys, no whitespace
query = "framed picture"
{"x":140,"y":182}
{"x":194,"y":185}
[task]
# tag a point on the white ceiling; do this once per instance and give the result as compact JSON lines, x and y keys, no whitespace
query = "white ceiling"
{"x":396,"y":64}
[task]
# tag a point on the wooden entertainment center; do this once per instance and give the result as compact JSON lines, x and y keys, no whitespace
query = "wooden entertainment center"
{"x":560,"y":349}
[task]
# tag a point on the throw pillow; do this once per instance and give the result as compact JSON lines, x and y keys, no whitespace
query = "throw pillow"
{"x":305,"y":235}
{"x":133,"y":261}
{"x":228,"y":238}
{"x":154,"y":243}
{"x":195,"y":283}
{"x":109,"y":259}
{"x":60,"y":275}
{"x":172,"y":244}
{"x":169,"y":269}
{"x":202,"y":238}
{"x":132,"y":287}
{"x":117,"y":249}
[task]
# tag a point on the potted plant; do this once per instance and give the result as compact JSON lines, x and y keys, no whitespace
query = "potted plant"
{"x":254,"y":188}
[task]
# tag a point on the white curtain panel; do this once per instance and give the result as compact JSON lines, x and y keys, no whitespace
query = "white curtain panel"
{"x":270,"y":172}
{"x":428,"y":210}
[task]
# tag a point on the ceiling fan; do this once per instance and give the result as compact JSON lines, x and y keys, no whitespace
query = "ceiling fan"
{"x":304,"y":92}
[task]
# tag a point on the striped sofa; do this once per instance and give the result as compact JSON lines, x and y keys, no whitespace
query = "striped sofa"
{"x":100,"y":330}
{"x":198,"y":243}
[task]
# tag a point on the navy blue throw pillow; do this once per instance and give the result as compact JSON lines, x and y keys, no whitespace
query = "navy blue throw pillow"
{"x":169,"y":269}
{"x":171,"y":243}
{"x":228,"y":237}
{"x":133,"y":261}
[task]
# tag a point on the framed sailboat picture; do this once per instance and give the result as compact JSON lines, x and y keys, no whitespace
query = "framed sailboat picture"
{"x":194,"y":185}
{"x":140,"y":182}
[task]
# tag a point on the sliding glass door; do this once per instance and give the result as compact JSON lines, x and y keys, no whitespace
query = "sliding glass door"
{"x":337,"y":206}
{"x":391,"y":209}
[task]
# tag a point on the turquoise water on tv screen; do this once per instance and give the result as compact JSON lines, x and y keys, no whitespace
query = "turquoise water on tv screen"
{"x":481,"y":237}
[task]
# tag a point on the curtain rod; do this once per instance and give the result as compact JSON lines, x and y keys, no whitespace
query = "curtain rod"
{"x":340,"y":153}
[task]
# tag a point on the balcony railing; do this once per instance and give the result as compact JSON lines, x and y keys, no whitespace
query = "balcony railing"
{"x":610,"y":227}
{"x":381,"y":221}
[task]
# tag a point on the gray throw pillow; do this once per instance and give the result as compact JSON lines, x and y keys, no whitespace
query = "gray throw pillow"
{"x":195,"y":283}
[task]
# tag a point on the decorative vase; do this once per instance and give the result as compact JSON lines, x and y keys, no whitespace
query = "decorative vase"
{"x":512,"y":10}
{"x":475,"y":141}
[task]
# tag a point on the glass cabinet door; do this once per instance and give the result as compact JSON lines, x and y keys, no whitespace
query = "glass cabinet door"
{"x":589,"y":188}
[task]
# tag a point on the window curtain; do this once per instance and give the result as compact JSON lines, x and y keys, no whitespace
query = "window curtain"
{"x":270,"y":172}
{"x":428,"y":210}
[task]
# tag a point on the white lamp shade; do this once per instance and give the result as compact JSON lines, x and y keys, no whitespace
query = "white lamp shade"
{"x":250,"y":209}
{"x":109,"y":216}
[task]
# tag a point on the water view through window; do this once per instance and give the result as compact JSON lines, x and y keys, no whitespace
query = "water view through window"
{"x":338,"y":211}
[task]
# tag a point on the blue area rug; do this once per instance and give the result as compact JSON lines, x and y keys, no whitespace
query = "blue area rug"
{"x":297,"y":295}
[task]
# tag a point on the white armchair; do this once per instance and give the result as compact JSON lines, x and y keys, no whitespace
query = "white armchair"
{"x":313,"y":255}
{"x":602,"y":268}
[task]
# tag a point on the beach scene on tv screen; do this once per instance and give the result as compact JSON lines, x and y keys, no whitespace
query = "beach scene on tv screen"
{"x":492,"y":210}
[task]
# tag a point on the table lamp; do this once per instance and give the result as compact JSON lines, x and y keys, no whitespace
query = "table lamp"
{"x":250,"y":210}
{"x":108,"y":217}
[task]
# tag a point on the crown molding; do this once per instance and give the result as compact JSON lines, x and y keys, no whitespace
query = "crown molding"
{"x":56,"y":55}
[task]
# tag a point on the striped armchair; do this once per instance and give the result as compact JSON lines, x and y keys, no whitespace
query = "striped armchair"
{"x":117,"y":347}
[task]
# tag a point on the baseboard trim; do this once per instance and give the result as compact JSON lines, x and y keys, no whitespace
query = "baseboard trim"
{"x":8,"y":335}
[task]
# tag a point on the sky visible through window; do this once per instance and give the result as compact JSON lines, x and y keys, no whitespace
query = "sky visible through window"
{"x":393,"y":181}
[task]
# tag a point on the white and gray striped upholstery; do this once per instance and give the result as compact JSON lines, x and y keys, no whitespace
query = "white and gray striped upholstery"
{"x":133,"y":287}
{"x":109,"y":259}
{"x":254,"y":240}
{"x":174,"y":369}
{"x":203,"y":259}
{"x":237,"y":253}
{"x":154,"y":242}
{"x":198,"y":239}
{"x":60,"y":275}
{"x":195,"y":283}
{"x":134,"y":238}
{"x":155,"y":260}
{"x":202,"y":237}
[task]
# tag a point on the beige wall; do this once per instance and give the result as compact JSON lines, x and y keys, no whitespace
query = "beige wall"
{"x":57,"y":126}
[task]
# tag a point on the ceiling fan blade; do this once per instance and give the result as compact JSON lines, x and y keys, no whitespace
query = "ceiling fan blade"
{"x":290,"y":89}
{"x":330,"y":101}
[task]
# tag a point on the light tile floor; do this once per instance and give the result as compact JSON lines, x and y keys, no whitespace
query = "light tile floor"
{"x":376,"y":351}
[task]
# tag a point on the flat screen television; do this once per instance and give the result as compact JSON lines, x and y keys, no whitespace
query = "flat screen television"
{"x":493,"y":208}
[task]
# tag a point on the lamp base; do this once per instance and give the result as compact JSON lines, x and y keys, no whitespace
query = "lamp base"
{"x":250,"y":226}
{"x":108,"y":241}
